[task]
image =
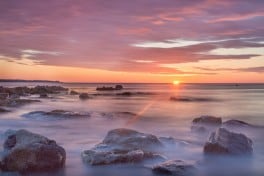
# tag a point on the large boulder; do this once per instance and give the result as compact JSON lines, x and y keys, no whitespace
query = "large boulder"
{"x":123,"y":146}
{"x":175,"y":167}
{"x":47,"y":89}
{"x":223,"y":141}
{"x":25,"y":151}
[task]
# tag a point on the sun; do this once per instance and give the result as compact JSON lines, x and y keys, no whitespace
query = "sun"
{"x":176,"y":82}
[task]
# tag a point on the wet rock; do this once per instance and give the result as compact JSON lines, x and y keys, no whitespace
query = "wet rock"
{"x":2,"y":110}
{"x":47,"y":89}
{"x":43,"y":95}
{"x":236,"y":123}
{"x":25,"y":151}
{"x":118,"y":87}
{"x":111,"y":157}
{"x":3,"y":96}
{"x":84,"y":96}
{"x":124,"y":94}
{"x":17,"y":102}
{"x":191,"y":99}
{"x":225,"y":142}
{"x":104,"y":88}
{"x":123,"y":146}
{"x":175,"y":167}
{"x":57,"y":114}
{"x":208,"y":120}
{"x":14,"y":96}
{"x":131,"y":140}
{"x":73,"y":92}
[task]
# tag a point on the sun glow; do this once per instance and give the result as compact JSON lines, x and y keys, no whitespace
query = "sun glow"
{"x":176,"y":82}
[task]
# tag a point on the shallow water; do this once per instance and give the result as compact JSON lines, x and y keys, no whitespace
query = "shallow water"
{"x":156,"y":115}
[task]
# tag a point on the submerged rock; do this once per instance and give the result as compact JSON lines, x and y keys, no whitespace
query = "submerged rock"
{"x":225,"y":142}
{"x":175,"y":167}
{"x":123,"y":146}
{"x":43,"y":95}
{"x":57,"y":114}
{"x":25,"y":151}
{"x":191,"y":99}
{"x":84,"y":96}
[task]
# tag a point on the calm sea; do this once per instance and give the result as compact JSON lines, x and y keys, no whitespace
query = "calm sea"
{"x":156,"y":114}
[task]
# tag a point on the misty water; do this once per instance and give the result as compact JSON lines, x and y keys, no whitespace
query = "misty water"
{"x":156,"y":114}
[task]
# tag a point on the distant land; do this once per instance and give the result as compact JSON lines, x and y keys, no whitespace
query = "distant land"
{"x":22,"y":80}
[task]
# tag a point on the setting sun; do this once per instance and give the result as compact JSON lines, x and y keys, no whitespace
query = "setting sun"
{"x":176,"y":82}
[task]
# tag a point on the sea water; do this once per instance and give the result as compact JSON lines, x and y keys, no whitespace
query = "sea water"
{"x":156,"y":114}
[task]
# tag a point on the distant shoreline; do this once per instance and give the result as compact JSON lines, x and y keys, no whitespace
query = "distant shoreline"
{"x":49,"y":81}
{"x":22,"y":80}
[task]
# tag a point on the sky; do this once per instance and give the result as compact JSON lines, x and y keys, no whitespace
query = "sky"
{"x":201,"y":41}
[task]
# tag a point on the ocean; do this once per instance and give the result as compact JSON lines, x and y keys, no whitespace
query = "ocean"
{"x":155,"y":113}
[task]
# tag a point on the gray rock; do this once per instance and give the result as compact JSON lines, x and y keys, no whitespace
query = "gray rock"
{"x":43,"y":95}
{"x":25,"y":151}
{"x":123,"y":146}
{"x":225,"y":142}
{"x":175,"y":167}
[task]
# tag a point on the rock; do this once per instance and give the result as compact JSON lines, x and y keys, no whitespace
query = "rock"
{"x":123,"y":146}
{"x":225,"y":142}
{"x":57,"y":114}
{"x":17,"y":102}
{"x":2,"y":110}
{"x":236,"y":123}
{"x":175,"y":167}
{"x":25,"y":151}
{"x":110,"y":157}
{"x":14,"y":96}
{"x":84,"y":96}
{"x":43,"y":95}
{"x":118,"y":87}
{"x":131,"y":140}
{"x":72,"y":92}
{"x":105,"y":88}
{"x":124,"y":94}
{"x":3,"y":96}
{"x":191,"y":99}
{"x":208,"y":120}
{"x":47,"y":89}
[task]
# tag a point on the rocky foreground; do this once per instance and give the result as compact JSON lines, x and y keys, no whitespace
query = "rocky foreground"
{"x":25,"y":151}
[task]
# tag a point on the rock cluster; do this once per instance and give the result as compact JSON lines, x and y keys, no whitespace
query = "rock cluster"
{"x":117,"y":87}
